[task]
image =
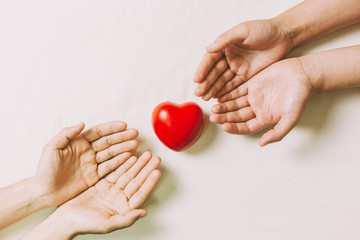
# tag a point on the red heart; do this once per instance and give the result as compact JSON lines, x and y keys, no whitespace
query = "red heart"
{"x":178,"y":126}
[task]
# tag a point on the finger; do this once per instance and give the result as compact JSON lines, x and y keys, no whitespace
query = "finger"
{"x":230,"y":85}
{"x":280,"y":130}
{"x":133,"y":171}
{"x":145,"y":190}
{"x":219,"y":83}
{"x":108,"y":166}
{"x":251,"y":126}
{"x":124,"y":220}
{"x":234,"y":35}
{"x":229,"y":106}
{"x":137,"y":182}
{"x":241,"y":115}
{"x":104,"y":129}
{"x":236,"y":93}
{"x":116,"y":149}
{"x":206,"y":63}
{"x":115,"y":175}
{"x":109,"y":140}
{"x":218,"y":68}
{"x":66,"y":135}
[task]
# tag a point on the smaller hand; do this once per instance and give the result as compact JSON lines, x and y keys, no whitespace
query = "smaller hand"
{"x":72,"y":162}
{"x":239,"y":54}
{"x":276,"y":95}
{"x":113,"y":202}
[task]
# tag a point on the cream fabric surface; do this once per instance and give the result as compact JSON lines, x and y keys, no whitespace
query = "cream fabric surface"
{"x":62,"y":62}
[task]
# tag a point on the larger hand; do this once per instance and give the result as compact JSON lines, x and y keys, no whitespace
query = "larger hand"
{"x":72,"y":162}
{"x":111,"y":204}
{"x":277,"y":95}
{"x":238,"y":54}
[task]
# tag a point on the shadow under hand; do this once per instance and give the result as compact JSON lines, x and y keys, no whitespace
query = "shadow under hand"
{"x":317,"y":113}
{"x":26,"y":223}
{"x":206,"y":139}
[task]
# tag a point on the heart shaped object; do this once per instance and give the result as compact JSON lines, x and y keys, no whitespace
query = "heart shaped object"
{"x":178,"y":126}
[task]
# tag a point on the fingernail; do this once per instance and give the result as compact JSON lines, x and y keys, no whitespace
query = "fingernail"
{"x":205,"y":98}
{"x":212,"y":47}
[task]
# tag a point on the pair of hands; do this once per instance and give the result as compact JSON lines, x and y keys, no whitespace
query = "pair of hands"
{"x":94,"y":179}
{"x":277,"y":91}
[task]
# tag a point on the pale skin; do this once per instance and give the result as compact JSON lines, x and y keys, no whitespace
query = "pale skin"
{"x":71,"y":162}
{"x":278,"y":94}
{"x":249,"y":47}
{"x":112,"y":203}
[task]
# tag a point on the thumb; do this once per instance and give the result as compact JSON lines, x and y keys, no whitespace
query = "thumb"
{"x":233,"y":35}
{"x":125,"y":220}
{"x":66,"y":135}
{"x":280,"y":130}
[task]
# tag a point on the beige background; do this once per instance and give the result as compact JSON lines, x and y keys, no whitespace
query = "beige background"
{"x":62,"y":62}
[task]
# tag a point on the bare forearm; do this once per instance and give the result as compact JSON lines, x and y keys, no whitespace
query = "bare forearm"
{"x":53,"y":227}
{"x":334,"y":69}
{"x":313,"y":18}
{"x":18,"y":201}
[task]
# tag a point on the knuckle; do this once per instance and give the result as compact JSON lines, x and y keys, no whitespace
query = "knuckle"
{"x":108,"y":140}
{"x":98,"y":131}
{"x":98,"y":158}
{"x":110,"y":152}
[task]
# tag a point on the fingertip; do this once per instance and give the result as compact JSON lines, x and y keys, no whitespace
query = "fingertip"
{"x":134,"y":144}
{"x":134,"y":131}
{"x":206,"y":98}
{"x":198,"y":92}
{"x":133,"y":158}
{"x":147,"y":154}
{"x":213,"y":47}
{"x":121,"y":125}
{"x":197,"y":78}
{"x":266,"y":139}
{"x":212,"y":118}
{"x":216,"y":108}
{"x":226,"y":127}
{"x":80,"y":125}
{"x":158,"y":159}
{"x":77,"y":128}
{"x":143,"y":214}
{"x":262,"y":143}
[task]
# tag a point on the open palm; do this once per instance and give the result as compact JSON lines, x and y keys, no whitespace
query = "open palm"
{"x":113,"y":202}
{"x":237,"y":55}
{"x":72,"y":162}
{"x":277,"y":95}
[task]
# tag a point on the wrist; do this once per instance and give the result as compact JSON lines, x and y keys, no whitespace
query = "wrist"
{"x":290,"y":33}
{"x":53,"y":227}
{"x":313,"y":77}
{"x":39,"y":194}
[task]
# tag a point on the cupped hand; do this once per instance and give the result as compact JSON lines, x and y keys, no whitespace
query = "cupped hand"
{"x":276,"y":95}
{"x":114,"y":201}
{"x":239,"y":54}
{"x":73,"y":161}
